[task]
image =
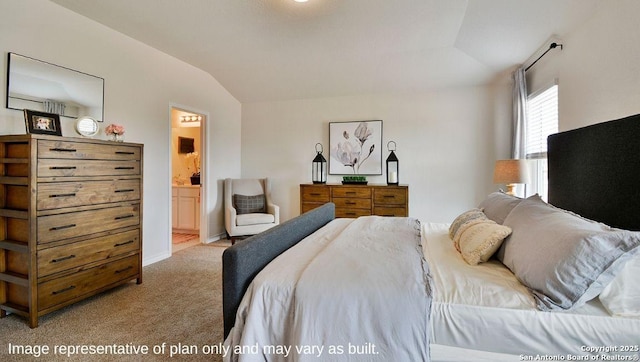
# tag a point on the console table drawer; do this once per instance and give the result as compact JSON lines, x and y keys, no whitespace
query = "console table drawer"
{"x":76,"y":285}
{"x":390,"y":211}
{"x":357,"y":192}
{"x":390,"y":196}
{"x":352,"y":203}
{"x":315,"y":194}
{"x":352,"y":213}
{"x":63,"y":226}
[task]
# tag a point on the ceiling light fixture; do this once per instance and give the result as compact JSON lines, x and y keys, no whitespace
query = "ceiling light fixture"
{"x":301,"y":1}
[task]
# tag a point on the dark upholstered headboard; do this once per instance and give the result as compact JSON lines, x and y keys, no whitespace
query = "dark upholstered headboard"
{"x":244,"y":260}
{"x":594,"y":171}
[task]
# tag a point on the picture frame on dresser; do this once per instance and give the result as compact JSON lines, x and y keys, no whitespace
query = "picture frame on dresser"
{"x":355,"y":148}
{"x":42,"y":123}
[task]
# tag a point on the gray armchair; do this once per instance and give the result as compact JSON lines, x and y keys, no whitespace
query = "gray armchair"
{"x":248,"y":208}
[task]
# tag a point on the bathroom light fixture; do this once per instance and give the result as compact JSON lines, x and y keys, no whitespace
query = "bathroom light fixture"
{"x":191,"y":118}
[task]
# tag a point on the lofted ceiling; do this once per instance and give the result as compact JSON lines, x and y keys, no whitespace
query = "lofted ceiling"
{"x":270,"y":50}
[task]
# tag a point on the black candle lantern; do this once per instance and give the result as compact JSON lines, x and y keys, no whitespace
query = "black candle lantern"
{"x":393,"y":169}
{"x":319,"y":167}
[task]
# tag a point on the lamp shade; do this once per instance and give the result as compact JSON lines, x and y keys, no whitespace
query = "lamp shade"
{"x":319,"y":167}
{"x":511,"y":172}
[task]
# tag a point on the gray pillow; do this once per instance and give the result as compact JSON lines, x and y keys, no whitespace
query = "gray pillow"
{"x":498,"y":205}
{"x":564,"y":259}
{"x":249,"y":204}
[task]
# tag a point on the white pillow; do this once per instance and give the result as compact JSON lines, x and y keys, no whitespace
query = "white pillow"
{"x":621,"y":297}
{"x":478,"y":239}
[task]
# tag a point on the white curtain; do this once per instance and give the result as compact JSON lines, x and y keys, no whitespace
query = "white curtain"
{"x":54,"y":107}
{"x":519,"y":114}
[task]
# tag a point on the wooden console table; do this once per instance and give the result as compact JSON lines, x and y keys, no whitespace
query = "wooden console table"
{"x":357,"y":200}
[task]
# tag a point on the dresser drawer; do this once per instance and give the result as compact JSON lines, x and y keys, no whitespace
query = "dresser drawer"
{"x":63,"y":226}
{"x":319,"y":194}
{"x":352,"y":213}
{"x":390,"y":211}
{"x":352,"y":203}
{"x":57,"y":195}
{"x":67,"y":168}
{"x":389,"y":196}
{"x":64,"y":289}
{"x":86,"y":151}
{"x":359,"y":192}
{"x":73,"y":255}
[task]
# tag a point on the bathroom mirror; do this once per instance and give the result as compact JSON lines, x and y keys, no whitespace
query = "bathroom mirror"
{"x":45,"y":87}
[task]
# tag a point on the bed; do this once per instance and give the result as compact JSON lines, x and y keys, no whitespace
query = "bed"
{"x":511,"y":280}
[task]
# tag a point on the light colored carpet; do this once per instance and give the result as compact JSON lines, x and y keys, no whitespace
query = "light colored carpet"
{"x":178,"y":303}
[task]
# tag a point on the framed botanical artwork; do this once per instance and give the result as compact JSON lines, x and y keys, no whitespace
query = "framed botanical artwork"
{"x":42,"y":123}
{"x":355,"y":148}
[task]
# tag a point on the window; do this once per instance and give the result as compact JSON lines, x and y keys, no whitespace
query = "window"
{"x":542,"y":121}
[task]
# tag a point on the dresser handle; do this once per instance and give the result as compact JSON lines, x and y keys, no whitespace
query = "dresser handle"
{"x":389,"y":196}
{"x":125,"y":243}
{"x":125,"y":153}
{"x":125,"y":190}
{"x":63,"y":195}
{"x":350,"y":213}
{"x":62,"y":168}
{"x":56,"y":149}
{"x":62,"y":227}
{"x":124,"y":270}
{"x":72,"y":287}
{"x":315,"y":194}
{"x":63,"y":258}
{"x":124,"y":217}
{"x":124,"y":168}
{"x":349,"y":203}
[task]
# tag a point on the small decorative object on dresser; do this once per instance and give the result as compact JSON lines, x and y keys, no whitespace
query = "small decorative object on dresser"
{"x":354,"y":180}
{"x":357,"y":200}
{"x":319,"y":167}
{"x":87,"y":126}
{"x":115,"y":132}
{"x":70,"y":221}
{"x":42,"y":123}
{"x":393,"y":166}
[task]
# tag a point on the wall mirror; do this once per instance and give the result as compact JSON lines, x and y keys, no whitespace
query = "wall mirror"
{"x":45,"y":87}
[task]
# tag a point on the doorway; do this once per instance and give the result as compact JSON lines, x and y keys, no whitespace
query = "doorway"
{"x":188,"y":150}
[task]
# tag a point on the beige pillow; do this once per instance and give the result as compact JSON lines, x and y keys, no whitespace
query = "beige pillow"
{"x":478,"y":239}
{"x":463,"y":218}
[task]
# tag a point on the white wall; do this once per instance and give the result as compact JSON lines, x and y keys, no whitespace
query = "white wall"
{"x":447,"y":142}
{"x":599,"y":69}
{"x":140,"y":84}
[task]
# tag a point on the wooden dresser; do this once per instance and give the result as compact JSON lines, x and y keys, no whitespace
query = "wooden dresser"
{"x":70,"y":220}
{"x":357,"y":200}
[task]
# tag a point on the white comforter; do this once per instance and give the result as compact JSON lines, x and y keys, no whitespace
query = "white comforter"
{"x":371,"y":303}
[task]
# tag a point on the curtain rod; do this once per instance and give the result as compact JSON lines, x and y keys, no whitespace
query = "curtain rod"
{"x":551,"y":46}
